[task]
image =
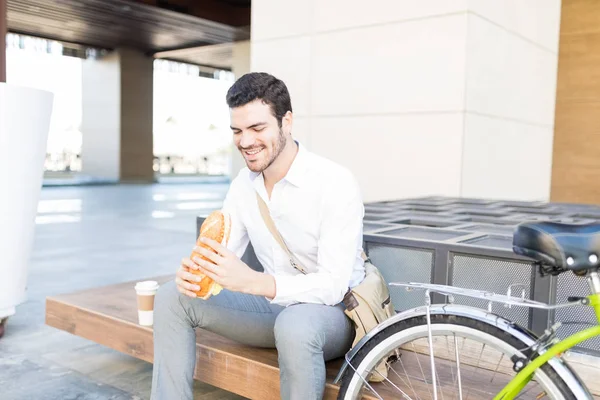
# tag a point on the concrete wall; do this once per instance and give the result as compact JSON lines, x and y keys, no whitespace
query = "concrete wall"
{"x":101,"y":117}
{"x":117,"y":117}
{"x":418,"y":98}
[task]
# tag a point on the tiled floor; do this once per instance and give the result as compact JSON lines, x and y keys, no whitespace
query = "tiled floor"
{"x":88,"y":237}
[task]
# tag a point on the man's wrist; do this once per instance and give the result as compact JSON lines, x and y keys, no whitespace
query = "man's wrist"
{"x":263,"y":285}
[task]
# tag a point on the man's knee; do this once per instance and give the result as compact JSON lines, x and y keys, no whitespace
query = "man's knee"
{"x":166,"y":300}
{"x":295,"y":329}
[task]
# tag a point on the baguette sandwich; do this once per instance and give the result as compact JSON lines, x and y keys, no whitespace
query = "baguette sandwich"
{"x":217,"y":226}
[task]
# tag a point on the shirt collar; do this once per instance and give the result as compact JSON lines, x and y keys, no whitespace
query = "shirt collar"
{"x":297,"y":173}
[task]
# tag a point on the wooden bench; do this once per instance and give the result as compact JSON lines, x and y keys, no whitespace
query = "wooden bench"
{"x":108,"y":316}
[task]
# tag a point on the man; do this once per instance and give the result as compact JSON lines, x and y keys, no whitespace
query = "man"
{"x":317,"y":207}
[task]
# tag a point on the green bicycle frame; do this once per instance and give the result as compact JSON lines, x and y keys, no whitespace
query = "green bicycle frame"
{"x":520,"y":380}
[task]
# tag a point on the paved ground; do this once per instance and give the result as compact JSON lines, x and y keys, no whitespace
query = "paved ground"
{"x":88,"y":237}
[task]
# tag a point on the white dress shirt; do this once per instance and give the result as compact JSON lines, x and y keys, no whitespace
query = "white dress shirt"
{"x":318,"y":211}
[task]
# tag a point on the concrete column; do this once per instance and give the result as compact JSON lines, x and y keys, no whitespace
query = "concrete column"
{"x":420,"y":98}
{"x":241,"y":66}
{"x":117,"y":117}
{"x":3,"y":32}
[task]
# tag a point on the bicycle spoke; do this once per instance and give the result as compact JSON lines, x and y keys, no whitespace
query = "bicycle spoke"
{"x":421,"y":368}
{"x":458,"y":367}
{"x":408,"y":376}
{"x":397,"y":388}
{"x":497,"y":366}
{"x":451,"y":369}
{"x":475,"y":369}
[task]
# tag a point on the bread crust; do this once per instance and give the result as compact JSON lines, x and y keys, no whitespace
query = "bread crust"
{"x":217,"y":226}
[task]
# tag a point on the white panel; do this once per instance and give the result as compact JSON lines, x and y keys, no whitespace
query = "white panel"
{"x":339,"y":14}
{"x":407,"y":67}
{"x":301,"y":130}
{"x":506,"y":160}
{"x":395,"y":156}
{"x":241,"y":58}
{"x":507,"y":76}
{"x":280,"y":18}
{"x":288,"y":60}
{"x":101,"y":117}
{"x":24,"y":124}
{"x":536,"y":20}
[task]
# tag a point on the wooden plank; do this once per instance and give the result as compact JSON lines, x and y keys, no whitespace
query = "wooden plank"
{"x":575,"y":164}
{"x":114,"y":23}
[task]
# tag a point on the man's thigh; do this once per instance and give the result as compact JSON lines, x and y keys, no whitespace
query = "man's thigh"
{"x":241,"y":317}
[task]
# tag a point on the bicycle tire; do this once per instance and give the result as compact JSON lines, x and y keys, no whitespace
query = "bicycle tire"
{"x":449,"y":320}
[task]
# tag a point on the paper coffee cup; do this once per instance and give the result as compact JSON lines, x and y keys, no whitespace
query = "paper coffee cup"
{"x":145,"y":300}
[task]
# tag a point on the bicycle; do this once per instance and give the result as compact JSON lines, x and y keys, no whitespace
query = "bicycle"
{"x":453,"y":351}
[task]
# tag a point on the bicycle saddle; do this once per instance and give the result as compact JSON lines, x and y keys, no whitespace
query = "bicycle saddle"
{"x":566,"y":246}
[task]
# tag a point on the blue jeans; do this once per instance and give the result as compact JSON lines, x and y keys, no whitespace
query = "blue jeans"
{"x":305,"y":335}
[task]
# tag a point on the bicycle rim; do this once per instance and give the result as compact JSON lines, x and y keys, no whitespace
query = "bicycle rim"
{"x":471,"y":360}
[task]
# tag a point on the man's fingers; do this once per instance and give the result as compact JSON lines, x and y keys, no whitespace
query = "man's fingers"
{"x":204,"y":265}
{"x":222,"y":250}
{"x":186,"y":292}
{"x":210,"y":274}
{"x":186,"y":285}
{"x":211,"y":255}
{"x":188,"y":276}
{"x":189,"y":263}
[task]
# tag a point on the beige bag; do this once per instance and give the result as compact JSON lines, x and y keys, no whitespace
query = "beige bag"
{"x":367,"y":304}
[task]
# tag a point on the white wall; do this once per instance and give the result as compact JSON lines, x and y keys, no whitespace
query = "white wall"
{"x":512,"y":59}
{"x":117,"y":116}
{"x":241,"y":66}
{"x":101,"y":117}
{"x":407,"y":93}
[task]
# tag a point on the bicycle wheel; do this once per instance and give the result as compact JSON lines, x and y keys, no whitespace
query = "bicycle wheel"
{"x":472,"y":360}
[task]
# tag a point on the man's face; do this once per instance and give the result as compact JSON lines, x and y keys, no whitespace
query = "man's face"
{"x":257,"y":134}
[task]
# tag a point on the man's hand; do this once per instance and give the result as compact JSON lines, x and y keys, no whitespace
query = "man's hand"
{"x":233,"y":274}
{"x":185,"y":279}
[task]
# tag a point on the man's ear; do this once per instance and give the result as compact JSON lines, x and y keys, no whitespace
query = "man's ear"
{"x":287,"y":122}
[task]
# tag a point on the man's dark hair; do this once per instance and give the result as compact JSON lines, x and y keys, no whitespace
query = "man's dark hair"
{"x":263,"y":86}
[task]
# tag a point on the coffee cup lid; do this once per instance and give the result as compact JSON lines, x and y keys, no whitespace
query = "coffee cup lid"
{"x":146,"y":285}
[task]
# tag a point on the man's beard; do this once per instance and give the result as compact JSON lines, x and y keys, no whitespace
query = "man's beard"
{"x":277,"y":149}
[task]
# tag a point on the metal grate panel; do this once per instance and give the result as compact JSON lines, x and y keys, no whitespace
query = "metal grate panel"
{"x":490,"y":228}
{"x":423,"y":233}
{"x":494,"y":275}
{"x":569,"y":284}
{"x":402,"y":264}
{"x":497,"y":241}
{"x":378,"y":217}
{"x":372,"y":226}
{"x":430,"y":222}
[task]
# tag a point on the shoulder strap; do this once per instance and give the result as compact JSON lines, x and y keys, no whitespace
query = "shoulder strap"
{"x":266,"y":215}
